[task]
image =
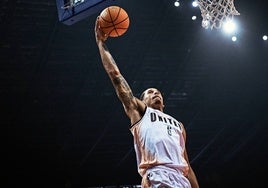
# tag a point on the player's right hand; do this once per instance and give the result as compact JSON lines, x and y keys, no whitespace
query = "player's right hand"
{"x":99,"y":34}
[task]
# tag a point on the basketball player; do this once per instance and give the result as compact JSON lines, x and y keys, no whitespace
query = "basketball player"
{"x":159,"y":139}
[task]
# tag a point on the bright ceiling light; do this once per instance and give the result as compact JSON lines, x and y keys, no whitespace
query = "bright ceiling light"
{"x":264,"y":37}
{"x":234,"y":38}
{"x":194,"y":3}
{"x":229,"y":26}
{"x":176,"y":3}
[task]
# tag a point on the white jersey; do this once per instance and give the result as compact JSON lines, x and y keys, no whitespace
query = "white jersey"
{"x":158,"y":140}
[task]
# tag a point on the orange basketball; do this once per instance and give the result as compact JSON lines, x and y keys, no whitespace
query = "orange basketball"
{"x":114,"y":21}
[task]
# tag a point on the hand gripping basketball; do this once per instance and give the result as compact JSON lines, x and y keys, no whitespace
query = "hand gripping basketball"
{"x":99,"y":34}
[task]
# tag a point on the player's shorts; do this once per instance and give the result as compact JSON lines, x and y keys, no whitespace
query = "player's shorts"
{"x":164,"y":177}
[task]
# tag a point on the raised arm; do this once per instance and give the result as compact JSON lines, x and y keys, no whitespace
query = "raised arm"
{"x":132,"y":106}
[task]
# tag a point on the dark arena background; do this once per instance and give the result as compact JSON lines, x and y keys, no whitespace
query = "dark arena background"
{"x":66,"y":126}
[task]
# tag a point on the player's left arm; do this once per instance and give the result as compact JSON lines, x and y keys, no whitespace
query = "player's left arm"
{"x":191,"y":175}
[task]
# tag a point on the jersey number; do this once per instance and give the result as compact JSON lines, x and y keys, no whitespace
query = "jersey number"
{"x":169,"y":128}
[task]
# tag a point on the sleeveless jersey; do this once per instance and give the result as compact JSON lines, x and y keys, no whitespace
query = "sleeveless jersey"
{"x":158,"y":140}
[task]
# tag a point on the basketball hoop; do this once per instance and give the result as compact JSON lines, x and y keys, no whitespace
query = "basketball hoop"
{"x":215,"y":12}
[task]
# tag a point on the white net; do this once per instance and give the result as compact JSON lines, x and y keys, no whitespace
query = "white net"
{"x":215,"y":12}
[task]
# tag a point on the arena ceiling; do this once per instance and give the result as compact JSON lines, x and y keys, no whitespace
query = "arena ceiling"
{"x":67,"y":128}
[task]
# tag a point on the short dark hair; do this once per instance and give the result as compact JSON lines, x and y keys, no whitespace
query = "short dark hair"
{"x":142,"y":95}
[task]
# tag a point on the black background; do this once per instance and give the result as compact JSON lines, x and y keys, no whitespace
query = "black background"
{"x":67,"y":128}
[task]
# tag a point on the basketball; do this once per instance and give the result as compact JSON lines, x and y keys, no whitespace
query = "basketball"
{"x":114,"y":21}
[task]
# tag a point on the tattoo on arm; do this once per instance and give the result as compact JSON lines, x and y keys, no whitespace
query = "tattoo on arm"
{"x":121,"y":86}
{"x":105,"y":47}
{"x":123,"y":90}
{"x":107,"y":50}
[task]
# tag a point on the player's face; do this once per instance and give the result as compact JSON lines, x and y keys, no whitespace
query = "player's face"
{"x":153,"y":98}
